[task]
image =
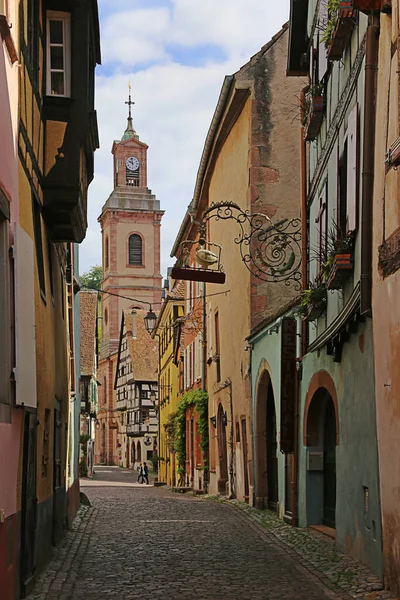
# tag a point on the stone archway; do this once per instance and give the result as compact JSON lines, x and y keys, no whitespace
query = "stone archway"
{"x":139,"y":452}
{"x":265,"y":433}
{"x":222,"y":451}
{"x":321,"y":436}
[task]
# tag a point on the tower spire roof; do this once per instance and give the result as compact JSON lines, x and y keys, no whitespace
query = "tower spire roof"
{"x":129,"y":131}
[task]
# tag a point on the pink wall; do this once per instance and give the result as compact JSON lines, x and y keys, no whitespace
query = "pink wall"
{"x":9,"y":124}
{"x":10,"y":441}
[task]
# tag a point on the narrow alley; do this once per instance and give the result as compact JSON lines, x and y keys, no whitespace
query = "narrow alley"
{"x":139,"y":541}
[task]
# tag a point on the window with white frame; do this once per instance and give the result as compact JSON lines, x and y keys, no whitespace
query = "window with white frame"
{"x":58,"y":81}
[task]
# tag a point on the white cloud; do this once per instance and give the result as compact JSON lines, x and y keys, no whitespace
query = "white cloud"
{"x":136,"y":36}
{"x":174,"y":103}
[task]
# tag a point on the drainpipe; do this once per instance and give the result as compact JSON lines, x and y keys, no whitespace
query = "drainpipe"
{"x":303,"y":329}
{"x":371,"y":67}
{"x":304,"y":230}
{"x":204,"y":371}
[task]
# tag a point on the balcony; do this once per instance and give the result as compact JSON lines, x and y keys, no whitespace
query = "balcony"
{"x":122,"y":404}
{"x":133,"y":429}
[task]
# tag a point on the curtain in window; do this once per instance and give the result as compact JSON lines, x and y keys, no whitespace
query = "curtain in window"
{"x":135,"y":249}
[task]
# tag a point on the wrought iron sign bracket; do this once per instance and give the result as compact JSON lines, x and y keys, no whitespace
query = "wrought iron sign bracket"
{"x":270,"y":251}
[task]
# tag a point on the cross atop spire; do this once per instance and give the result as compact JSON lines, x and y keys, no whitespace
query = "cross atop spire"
{"x":130,"y":103}
{"x":129,"y":131}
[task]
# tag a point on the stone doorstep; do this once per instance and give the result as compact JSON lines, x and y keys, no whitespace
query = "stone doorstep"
{"x":329,"y":531}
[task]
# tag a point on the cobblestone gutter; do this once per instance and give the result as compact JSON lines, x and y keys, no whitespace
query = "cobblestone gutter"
{"x":317,"y":550}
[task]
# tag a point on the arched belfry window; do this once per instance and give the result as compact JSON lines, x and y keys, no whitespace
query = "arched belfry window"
{"x":135,"y":249}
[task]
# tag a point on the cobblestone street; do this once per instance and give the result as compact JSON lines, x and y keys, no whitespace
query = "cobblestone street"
{"x":138,"y":541}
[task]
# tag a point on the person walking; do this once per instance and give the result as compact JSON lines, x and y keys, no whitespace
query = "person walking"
{"x":145,"y":475}
{"x":140,"y":476}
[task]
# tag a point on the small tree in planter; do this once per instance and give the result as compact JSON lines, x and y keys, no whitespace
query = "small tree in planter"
{"x":313,"y":301}
{"x":313,"y":111}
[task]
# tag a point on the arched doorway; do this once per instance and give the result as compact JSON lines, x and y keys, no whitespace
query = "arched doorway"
{"x":133,"y":455}
{"x":321,"y":439}
{"x":222,"y":453}
{"x":266,"y":444}
{"x":139,"y":452}
{"x":272,"y":451}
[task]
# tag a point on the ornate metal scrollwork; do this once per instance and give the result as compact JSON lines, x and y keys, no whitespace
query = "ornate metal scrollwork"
{"x":270,"y":251}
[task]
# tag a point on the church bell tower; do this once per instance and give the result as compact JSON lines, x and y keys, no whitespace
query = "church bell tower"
{"x":130,"y":223}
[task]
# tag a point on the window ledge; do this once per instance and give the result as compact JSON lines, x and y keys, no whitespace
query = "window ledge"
{"x":5,"y":32}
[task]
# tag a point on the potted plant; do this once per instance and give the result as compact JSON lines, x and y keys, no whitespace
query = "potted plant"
{"x":341,"y":21}
{"x":339,"y":263}
{"x":313,"y":112}
{"x":313,"y":301}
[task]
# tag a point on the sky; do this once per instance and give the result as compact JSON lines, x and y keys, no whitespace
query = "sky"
{"x":176,"y":54}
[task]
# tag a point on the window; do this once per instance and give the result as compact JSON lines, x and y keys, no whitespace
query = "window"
{"x":58,"y":54}
{"x":135,"y":249}
{"x":106,"y":254}
{"x":37,"y":226}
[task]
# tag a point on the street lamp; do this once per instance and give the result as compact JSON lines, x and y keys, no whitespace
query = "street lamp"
{"x":150,"y":321}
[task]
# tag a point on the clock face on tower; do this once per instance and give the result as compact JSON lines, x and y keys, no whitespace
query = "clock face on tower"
{"x":132,"y":163}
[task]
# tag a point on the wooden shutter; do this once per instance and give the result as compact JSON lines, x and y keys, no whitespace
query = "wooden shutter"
{"x":352,"y":170}
{"x":135,"y":249}
{"x":25,"y":330}
{"x":322,"y":53}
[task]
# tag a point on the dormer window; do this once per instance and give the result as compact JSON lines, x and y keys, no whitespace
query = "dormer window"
{"x":58,"y":81}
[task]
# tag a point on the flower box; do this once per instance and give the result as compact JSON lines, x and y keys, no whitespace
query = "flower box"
{"x":314,"y":119}
{"x":315,"y":310}
{"x":340,"y":271}
{"x":342,"y":31}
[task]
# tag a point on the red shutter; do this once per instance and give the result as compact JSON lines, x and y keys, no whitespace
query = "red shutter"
{"x":322,"y":53}
{"x":352,"y":170}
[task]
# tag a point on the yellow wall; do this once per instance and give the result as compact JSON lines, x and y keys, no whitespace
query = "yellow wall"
{"x":230,"y":182}
{"x":51,"y":327}
{"x":168,"y":375}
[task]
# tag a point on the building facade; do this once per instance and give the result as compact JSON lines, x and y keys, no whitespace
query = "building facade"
{"x":386,"y":284}
{"x":250,"y":158}
{"x":50,"y":133}
{"x":88,"y":384}
{"x":338,"y":482}
{"x":11,"y":418}
{"x":167,"y":330}
{"x":130,"y":223}
{"x":136,"y":387}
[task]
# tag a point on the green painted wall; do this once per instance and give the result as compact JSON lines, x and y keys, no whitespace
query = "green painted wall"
{"x":357,"y":533}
